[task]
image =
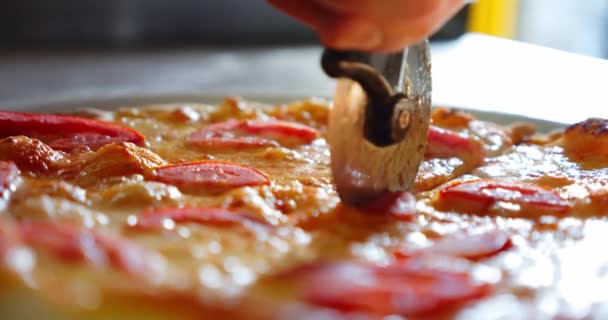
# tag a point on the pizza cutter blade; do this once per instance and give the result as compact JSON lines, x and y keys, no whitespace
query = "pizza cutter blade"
{"x":379,"y":121}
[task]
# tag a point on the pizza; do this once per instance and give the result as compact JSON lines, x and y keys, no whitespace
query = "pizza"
{"x":228,"y":211}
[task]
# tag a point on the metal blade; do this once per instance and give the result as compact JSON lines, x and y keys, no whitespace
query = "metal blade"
{"x":362,"y":168}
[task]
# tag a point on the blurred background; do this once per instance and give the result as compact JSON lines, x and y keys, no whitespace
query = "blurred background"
{"x":61,"y":54}
{"x":572,"y":25}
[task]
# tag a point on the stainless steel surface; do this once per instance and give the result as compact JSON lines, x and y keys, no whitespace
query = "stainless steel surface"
{"x":80,"y":78}
{"x":476,"y":72}
{"x":363,"y":169}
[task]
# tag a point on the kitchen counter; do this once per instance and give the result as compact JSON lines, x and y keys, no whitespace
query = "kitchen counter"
{"x":475,"y":71}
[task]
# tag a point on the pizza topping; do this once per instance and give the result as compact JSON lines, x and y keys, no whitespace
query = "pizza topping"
{"x":135,"y":192}
{"x":234,"y":108}
{"x":495,"y":139}
{"x":58,"y":189}
{"x":112,"y":160}
{"x":397,"y":289}
{"x":448,"y":155}
{"x":439,"y":266}
{"x":530,"y":164}
{"x":14,"y":256}
{"x":496,"y":197}
{"x":157,"y":219}
{"x":444,"y":143}
{"x":548,"y":166}
{"x":185,"y":114}
{"x":209,"y":176}
{"x":476,"y":246}
{"x":277,"y":204}
{"x":93,"y":113}
{"x":400,"y":205}
{"x":521,"y":132}
{"x":46,"y":207}
{"x":451,"y":118}
{"x":86,"y":168}
{"x":599,"y":200}
{"x":9,"y":174}
{"x":253,"y":133}
{"x":436,"y":171}
{"x":65,"y":132}
{"x":9,"y":241}
{"x":8,"y":238}
{"x":587,"y":140}
{"x":31,"y":155}
{"x":311,"y":112}
{"x":78,"y":245}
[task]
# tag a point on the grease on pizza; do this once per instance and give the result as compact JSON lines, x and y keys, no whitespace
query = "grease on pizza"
{"x":203,"y":211}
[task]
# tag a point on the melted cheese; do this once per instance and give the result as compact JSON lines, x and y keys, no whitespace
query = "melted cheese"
{"x":554,"y":268}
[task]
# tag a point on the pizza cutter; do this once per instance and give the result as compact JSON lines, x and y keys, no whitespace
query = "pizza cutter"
{"x":379,"y":121}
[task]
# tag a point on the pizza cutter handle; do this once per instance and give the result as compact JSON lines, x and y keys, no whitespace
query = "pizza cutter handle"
{"x":386,"y":112}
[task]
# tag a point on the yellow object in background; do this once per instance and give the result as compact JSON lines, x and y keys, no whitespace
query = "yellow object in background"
{"x":494,"y":17}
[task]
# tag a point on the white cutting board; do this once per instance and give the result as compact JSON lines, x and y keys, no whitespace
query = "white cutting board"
{"x":492,"y":74}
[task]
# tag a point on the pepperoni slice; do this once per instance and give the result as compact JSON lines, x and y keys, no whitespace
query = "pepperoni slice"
{"x":154,"y":219}
{"x":444,"y":143}
{"x":400,"y":205}
{"x":65,"y":132}
{"x":483,"y":196}
{"x":9,"y":240}
{"x":397,"y":289}
{"x":74,"y":244}
{"x":253,"y":133}
{"x":8,"y":174}
{"x":472,"y":247}
{"x":209,"y":176}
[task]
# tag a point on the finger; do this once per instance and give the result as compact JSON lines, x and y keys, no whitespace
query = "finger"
{"x":385,"y":26}
{"x":400,"y":34}
{"x":388,"y":9}
{"x":335,"y":30}
{"x":356,"y":33}
{"x":350,"y":33}
{"x":306,"y":11}
{"x":364,"y":32}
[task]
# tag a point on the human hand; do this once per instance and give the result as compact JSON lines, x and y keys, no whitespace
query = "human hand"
{"x":371,"y":25}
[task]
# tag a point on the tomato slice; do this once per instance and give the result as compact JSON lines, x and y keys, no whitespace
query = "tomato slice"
{"x":65,"y":132}
{"x":253,"y":133}
{"x":8,"y":175}
{"x":397,"y":289}
{"x":482,"y":196}
{"x":209,"y":176}
{"x":474,"y":247}
{"x":400,"y":205}
{"x":74,"y":244}
{"x":154,"y":219}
